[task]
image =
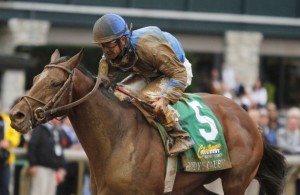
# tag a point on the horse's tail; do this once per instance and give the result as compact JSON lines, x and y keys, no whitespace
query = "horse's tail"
{"x":272,"y":169}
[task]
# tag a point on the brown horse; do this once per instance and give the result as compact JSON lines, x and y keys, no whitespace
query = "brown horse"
{"x":125,"y":153}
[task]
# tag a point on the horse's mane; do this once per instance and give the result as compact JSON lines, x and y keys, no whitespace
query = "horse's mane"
{"x":86,"y":72}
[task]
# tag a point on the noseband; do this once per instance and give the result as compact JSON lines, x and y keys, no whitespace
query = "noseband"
{"x":49,"y":108}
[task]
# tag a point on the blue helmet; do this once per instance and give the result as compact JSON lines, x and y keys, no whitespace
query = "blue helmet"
{"x":109,"y":27}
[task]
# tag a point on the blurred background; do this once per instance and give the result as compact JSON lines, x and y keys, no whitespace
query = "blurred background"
{"x":250,"y":43}
{"x":257,"y":39}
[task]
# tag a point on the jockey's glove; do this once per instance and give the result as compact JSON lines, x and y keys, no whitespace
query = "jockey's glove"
{"x":105,"y":81}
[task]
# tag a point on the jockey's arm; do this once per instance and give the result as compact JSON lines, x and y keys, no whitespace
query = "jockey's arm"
{"x":168,"y":64}
{"x":106,"y":73}
{"x":103,"y":68}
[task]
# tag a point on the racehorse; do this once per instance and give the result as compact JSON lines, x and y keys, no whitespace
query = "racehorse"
{"x":126,"y":154}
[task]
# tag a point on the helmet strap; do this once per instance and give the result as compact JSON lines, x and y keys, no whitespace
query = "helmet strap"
{"x":127,"y":57}
{"x":123,"y":49}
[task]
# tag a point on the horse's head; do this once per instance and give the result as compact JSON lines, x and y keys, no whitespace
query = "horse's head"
{"x":52,"y":88}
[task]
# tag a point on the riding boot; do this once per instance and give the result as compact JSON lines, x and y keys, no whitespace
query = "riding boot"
{"x":182,"y":139}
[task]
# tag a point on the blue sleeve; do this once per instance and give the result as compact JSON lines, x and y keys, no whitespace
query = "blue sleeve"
{"x":176,"y":46}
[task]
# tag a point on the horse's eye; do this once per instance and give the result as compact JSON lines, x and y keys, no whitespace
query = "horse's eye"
{"x":56,"y":84}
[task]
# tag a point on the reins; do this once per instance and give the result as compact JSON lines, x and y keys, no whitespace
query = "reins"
{"x":77,"y":102}
{"x":49,"y":108}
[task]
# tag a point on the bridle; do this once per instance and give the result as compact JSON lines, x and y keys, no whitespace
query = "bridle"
{"x":40,"y":113}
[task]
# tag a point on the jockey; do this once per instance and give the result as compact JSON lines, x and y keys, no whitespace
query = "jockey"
{"x":152,"y":56}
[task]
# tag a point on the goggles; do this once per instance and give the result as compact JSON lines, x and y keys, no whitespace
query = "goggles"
{"x":110,"y":45}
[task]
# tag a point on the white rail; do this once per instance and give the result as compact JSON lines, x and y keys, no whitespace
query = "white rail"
{"x":70,"y":155}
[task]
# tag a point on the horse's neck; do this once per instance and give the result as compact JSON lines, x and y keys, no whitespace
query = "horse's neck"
{"x":99,"y":121}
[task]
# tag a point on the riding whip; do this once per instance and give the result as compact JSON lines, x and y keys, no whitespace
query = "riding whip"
{"x":132,"y":96}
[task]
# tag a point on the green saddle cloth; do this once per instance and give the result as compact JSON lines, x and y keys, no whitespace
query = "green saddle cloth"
{"x":210,"y":152}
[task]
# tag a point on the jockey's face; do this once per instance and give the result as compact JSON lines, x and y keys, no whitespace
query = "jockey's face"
{"x":111,"y":49}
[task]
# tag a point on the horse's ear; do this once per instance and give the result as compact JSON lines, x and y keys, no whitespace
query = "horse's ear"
{"x":55,"y":56}
{"x":74,"y":61}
